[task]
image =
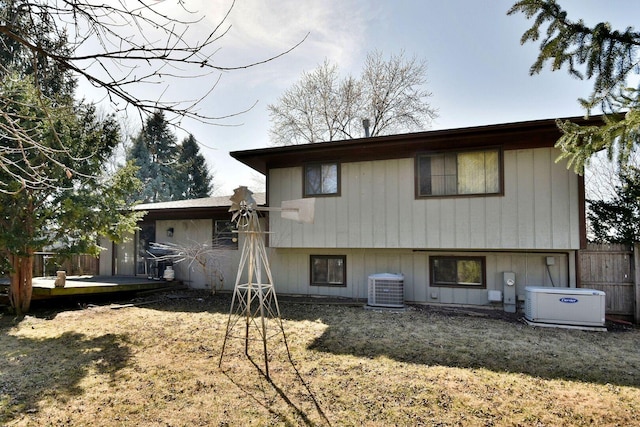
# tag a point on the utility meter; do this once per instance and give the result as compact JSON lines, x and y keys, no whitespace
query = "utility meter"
{"x":509,"y":278}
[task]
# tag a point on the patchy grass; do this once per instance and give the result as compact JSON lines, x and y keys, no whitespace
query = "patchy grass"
{"x":156,"y":364}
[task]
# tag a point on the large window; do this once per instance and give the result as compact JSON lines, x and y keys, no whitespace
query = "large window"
{"x":457,"y":271}
{"x":459,"y":173}
{"x":328,"y":270}
{"x":224,"y":236}
{"x":322,"y":179}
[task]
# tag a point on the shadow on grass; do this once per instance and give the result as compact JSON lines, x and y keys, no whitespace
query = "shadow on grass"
{"x":296,"y":409}
{"x":439,"y":338}
{"x":451,"y":338}
{"x":33,"y":370}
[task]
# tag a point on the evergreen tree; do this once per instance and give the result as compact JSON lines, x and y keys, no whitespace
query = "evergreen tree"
{"x":606,"y":56}
{"x":74,"y":205}
{"x":617,"y":220}
{"x":107,"y":44}
{"x":52,"y":151}
{"x":53,"y":78}
{"x":155,"y":152}
{"x":195,"y":177}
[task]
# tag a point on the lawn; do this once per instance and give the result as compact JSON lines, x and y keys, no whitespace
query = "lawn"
{"x":156,"y":363}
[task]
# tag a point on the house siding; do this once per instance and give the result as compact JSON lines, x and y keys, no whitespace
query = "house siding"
{"x":291,"y":273}
{"x":221,"y":264}
{"x":221,"y":267}
{"x":377,"y":209}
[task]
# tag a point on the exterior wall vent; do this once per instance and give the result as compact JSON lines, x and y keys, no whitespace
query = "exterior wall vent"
{"x":386,"y":290}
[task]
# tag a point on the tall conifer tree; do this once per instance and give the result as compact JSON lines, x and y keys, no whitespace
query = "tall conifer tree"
{"x":155,"y":152}
{"x":196,"y":179}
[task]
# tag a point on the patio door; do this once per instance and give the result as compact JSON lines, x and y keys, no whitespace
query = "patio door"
{"x":124,"y":258}
{"x":144,"y":237}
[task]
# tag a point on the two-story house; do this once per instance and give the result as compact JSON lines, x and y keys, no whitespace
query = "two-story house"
{"x":458,"y":213}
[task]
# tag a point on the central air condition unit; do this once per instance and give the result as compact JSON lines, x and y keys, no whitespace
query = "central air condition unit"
{"x":386,"y":290}
{"x":569,"y":307}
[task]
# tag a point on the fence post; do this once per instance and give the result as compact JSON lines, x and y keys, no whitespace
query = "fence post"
{"x":636,"y":267}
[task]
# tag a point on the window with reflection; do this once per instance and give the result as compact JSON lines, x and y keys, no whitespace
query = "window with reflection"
{"x":457,"y":271}
{"x":459,"y":173}
{"x":322,"y":179}
{"x":328,"y":270}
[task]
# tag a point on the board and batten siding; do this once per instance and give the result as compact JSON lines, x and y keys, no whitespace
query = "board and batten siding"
{"x":291,"y":273}
{"x":377,"y":209}
{"x":212,"y":267}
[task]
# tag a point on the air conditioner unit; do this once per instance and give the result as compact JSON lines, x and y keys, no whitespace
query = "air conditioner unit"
{"x":386,"y":290}
{"x":576,"y":307}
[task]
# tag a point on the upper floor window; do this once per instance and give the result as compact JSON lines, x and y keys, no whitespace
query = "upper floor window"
{"x":322,"y":179}
{"x":459,"y":173}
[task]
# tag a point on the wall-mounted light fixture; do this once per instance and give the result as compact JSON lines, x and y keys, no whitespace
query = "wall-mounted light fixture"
{"x":170,"y":232}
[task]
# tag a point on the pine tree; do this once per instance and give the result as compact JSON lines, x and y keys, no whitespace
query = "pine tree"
{"x":617,"y":220}
{"x":155,"y":152}
{"x":601,"y":54}
{"x":196,"y":180}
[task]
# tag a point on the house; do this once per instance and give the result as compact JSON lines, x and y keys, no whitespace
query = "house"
{"x":468,"y":216}
{"x":459,"y":213}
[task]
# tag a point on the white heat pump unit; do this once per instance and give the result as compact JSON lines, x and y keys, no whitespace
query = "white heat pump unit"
{"x":570,"y":307}
{"x":386,"y":290}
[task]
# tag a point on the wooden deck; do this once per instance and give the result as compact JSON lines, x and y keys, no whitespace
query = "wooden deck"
{"x":44,"y":287}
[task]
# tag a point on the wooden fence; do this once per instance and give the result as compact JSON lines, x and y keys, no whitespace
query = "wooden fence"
{"x":611,"y":268}
{"x":46,"y":264}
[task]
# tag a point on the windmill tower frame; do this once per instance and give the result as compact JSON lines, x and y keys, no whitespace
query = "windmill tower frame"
{"x":254,"y":302}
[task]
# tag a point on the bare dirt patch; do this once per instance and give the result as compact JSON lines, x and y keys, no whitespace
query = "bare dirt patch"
{"x":154,"y":362}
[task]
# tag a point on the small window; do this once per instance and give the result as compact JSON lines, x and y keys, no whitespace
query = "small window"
{"x":321,"y":179}
{"x":223,"y":234}
{"x":328,"y":270}
{"x":457,"y":271}
{"x":459,"y":173}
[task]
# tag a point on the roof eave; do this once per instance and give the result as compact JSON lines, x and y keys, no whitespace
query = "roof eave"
{"x":536,"y":133}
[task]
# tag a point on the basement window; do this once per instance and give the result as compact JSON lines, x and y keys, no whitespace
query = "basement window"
{"x":328,"y":270}
{"x":457,"y":271}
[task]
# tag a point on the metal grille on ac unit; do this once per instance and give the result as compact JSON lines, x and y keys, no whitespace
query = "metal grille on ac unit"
{"x":386,"y":290}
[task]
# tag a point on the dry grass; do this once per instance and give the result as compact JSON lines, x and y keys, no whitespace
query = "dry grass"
{"x":156,"y":364}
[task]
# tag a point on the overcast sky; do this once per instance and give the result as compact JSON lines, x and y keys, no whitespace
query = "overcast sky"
{"x":476,"y":68}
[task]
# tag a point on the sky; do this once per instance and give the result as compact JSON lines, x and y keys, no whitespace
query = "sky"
{"x":477,"y":70}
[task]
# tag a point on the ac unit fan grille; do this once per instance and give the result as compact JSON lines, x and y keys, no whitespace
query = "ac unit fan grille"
{"x":386,"y":292}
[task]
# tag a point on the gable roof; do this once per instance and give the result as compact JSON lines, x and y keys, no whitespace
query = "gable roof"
{"x":511,"y":136}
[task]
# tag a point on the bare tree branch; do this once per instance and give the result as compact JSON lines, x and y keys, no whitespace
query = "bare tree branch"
{"x":120,"y":46}
{"x":323,"y":107}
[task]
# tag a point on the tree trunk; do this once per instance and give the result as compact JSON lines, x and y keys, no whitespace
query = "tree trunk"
{"x":21,"y":282}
